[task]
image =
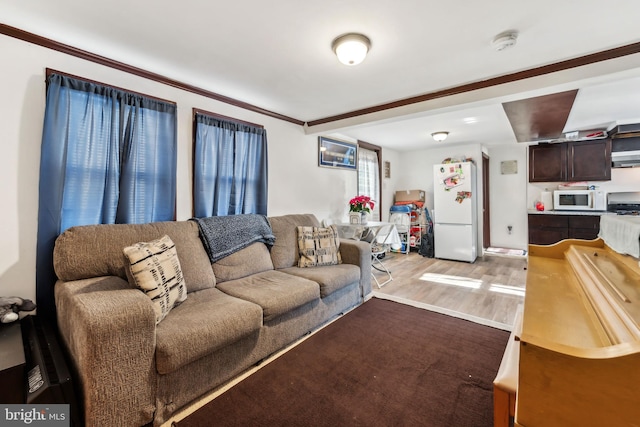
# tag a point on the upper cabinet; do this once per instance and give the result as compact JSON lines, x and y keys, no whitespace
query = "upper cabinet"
{"x":570,"y":161}
{"x":547,"y":162}
{"x":589,"y":160}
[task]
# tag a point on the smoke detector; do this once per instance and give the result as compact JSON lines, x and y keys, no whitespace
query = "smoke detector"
{"x":504,"y":40}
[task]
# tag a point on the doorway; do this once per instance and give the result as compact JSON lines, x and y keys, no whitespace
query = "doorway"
{"x":486,"y":213}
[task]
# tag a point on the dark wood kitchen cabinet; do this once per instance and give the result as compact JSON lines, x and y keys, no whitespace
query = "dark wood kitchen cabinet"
{"x":546,"y":229}
{"x":589,"y":160}
{"x":547,"y":162}
{"x":570,"y":161}
{"x":584,"y":227}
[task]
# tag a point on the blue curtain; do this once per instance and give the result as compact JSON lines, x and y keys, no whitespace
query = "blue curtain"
{"x":230,"y":168}
{"x":107,"y":157}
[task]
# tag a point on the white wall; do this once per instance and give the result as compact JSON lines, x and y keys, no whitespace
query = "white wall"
{"x":622,"y":180}
{"x":296,"y":183}
{"x":391,"y":184}
{"x":508,"y":197}
{"x":417,"y":172}
{"x":511,"y":195}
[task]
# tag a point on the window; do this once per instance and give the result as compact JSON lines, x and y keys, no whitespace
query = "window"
{"x":369,"y":175}
{"x":108,"y":156}
{"x":230,"y":167}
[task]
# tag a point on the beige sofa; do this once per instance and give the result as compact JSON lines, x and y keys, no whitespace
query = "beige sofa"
{"x":239,"y":310}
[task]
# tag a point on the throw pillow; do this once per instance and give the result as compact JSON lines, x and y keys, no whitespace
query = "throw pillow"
{"x":154,"y":268}
{"x":318,"y":246}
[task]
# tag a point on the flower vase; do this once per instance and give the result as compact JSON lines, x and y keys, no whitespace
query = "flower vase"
{"x":363,"y":217}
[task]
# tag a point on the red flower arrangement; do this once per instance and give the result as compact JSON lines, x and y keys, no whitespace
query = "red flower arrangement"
{"x":361,"y":204}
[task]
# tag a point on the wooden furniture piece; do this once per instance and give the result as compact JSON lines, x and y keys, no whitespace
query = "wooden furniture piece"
{"x":547,"y":229}
{"x":570,"y":161}
{"x":506,"y":382}
{"x":580,"y":341}
{"x":12,"y":364}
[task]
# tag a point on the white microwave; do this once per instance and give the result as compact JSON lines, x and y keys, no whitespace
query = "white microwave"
{"x":579,"y":200}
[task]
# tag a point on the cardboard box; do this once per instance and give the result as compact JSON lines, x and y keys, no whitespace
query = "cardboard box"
{"x":410,"y":196}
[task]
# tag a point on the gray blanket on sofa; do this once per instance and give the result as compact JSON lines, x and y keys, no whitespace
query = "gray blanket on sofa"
{"x":224,"y":235}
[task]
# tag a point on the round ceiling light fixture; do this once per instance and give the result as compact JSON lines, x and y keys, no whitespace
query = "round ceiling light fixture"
{"x":440,"y":136}
{"x":352,"y":48}
{"x":505,"y":40}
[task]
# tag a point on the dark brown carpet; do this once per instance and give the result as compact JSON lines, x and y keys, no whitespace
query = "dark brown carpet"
{"x":383,"y":364}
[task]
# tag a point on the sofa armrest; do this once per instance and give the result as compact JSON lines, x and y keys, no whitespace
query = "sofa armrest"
{"x":108,"y":329}
{"x":358,"y":253}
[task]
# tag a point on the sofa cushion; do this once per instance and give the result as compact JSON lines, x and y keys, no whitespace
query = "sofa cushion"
{"x":155,"y":269}
{"x":330,"y":277}
{"x":77,"y":256}
{"x":207,"y":321}
{"x":276,"y":292}
{"x":318,"y":246}
{"x":284,"y":252}
{"x":250,"y":260}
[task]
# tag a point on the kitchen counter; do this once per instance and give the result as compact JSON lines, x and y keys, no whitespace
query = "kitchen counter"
{"x":597,"y":213}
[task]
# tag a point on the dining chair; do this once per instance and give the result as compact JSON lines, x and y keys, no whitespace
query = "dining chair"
{"x":380,"y":240}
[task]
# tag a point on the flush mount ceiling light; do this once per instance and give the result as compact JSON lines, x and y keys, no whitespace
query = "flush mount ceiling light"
{"x":440,"y":136}
{"x":352,"y":48}
{"x":505,"y":40}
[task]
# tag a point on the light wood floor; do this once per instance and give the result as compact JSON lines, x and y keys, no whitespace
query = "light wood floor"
{"x":490,"y":288}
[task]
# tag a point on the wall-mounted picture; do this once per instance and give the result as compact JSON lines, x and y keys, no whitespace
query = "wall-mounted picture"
{"x":337,"y":154}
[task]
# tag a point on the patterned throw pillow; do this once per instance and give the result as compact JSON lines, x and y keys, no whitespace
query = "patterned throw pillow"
{"x":318,"y":246}
{"x":155,"y":269}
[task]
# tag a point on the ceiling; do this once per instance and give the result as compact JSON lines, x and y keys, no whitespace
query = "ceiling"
{"x":277,"y":56}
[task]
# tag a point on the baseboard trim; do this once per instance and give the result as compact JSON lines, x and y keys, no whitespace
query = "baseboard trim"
{"x":441,"y":310}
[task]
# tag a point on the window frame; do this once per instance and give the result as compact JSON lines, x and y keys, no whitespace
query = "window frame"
{"x":378,"y":150}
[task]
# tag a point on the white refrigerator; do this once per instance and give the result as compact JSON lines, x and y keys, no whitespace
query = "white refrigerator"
{"x":455,"y":201}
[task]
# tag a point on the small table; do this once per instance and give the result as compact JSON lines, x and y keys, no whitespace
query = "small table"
{"x":383,"y":237}
{"x":358,"y":231}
